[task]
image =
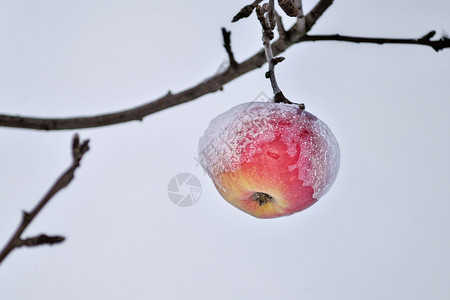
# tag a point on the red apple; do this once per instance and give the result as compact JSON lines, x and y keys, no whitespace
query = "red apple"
{"x":269,"y":159}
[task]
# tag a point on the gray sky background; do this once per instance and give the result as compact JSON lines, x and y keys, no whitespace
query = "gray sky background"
{"x":382,"y":232}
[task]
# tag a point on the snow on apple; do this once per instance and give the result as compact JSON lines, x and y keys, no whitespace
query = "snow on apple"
{"x":269,"y":159}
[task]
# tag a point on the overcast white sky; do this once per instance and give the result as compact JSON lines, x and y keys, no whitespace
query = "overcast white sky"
{"x":382,"y":232}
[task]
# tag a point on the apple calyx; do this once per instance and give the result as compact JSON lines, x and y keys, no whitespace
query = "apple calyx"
{"x":262,"y":198}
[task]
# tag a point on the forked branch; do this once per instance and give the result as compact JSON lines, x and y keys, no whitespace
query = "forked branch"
{"x":16,"y":241}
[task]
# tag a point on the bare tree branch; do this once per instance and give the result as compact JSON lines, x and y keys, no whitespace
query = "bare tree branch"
{"x":16,"y":241}
{"x":40,"y":240}
{"x":315,"y":14}
{"x":210,"y":85}
{"x":437,"y":45}
{"x":227,"y":44}
{"x":280,"y":27}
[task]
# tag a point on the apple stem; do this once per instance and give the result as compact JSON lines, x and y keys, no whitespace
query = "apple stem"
{"x":267,"y":16}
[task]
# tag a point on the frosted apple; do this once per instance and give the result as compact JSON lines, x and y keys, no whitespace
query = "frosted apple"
{"x":269,"y":159}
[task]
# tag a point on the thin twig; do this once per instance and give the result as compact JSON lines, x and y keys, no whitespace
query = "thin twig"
{"x":311,"y":18}
{"x":227,"y":44}
{"x":16,"y":241}
{"x":266,"y":29}
{"x":280,"y":27}
{"x":271,"y":62}
{"x":437,"y":45}
{"x":264,"y":15}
